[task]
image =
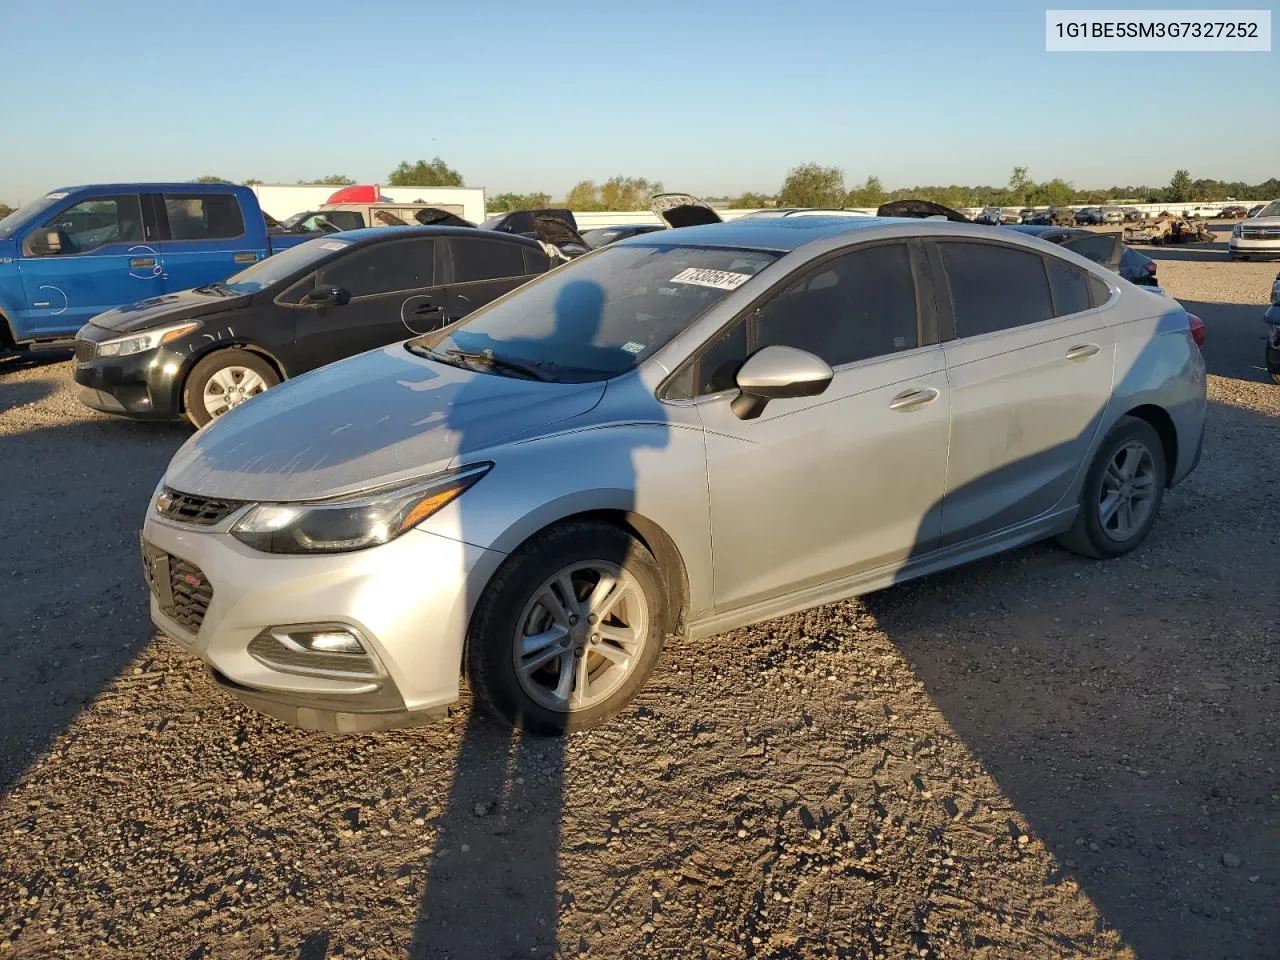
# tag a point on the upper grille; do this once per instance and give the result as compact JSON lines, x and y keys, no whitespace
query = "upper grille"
{"x":181,"y":588}
{"x":86,"y":350}
{"x":1260,"y":233}
{"x":187,"y":508}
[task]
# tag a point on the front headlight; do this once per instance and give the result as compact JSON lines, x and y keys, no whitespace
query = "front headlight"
{"x":352,"y":523}
{"x":146,"y":340}
{"x":1235,"y":231}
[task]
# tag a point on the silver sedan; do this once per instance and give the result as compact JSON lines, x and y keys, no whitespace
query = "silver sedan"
{"x":685,"y":432}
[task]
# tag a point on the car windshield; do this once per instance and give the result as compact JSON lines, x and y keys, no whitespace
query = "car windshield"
{"x":297,"y":218}
{"x":603,"y":315}
{"x":1272,"y":209}
{"x":285,"y":265}
{"x":27,"y":213}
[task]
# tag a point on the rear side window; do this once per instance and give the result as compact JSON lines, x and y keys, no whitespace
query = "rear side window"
{"x":1070,"y":286}
{"x":854,"y":307}
{"x":485,"y":259}
{"x":1097,"y":247}
{"x":995,"y":288}
{"x":203,"y":216}
{"x":535,"y":261}
{"x":382,"y":268}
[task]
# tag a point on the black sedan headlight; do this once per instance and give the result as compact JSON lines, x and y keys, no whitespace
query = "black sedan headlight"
{"x":352,"y":523}
{"x":146,"y":340}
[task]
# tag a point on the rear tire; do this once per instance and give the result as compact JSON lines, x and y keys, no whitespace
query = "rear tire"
{"x":517,"y":673}
{"x":1122,"y":492}
{"x":222,"y":380}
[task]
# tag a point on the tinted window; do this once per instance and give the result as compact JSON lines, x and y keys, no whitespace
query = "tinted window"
{"x":1097,"y":247}
{"x":718,"y":366}
{"x":1100,"y":291}
{"x":486,"y":260}
{"x":535,"y":261}
{"x":345,"y":219}
{"x":1070,"y":286}
{"x":382,"y":268}
{"x":855,"y":307}
{"x":995,"y":288}
{"x":203,"y":216}
{"x":94,"y":223}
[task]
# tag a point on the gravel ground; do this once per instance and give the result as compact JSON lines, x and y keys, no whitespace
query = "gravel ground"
{"x":1033,"y":756}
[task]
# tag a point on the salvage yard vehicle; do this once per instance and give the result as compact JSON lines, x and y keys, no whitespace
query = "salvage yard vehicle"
{"x":1272,"y":319}
{"x":1111,"y":215}
{"x":1235,"y":212}
{"x":1105,"y":249}
{"x":603,"y":236}
{"x":685,"y":432}
{"x":78,"y":251}
{"x":1167,"y":228}
{"x":1088,"y":215}
{"x":204,"y":351}
{"x":1258,"y":236}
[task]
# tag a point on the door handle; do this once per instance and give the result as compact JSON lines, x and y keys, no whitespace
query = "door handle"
{"x":136,"y":262}
{"x":913,"y":399}
{"x":1082,"y":351}
{"x":249,"y":257}
{"x":427,"y":309}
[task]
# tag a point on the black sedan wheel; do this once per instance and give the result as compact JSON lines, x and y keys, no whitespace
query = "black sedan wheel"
{"x":222,"y":380}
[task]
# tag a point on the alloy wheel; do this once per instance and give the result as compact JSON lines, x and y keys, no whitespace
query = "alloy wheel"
{"x":1128,"y":492}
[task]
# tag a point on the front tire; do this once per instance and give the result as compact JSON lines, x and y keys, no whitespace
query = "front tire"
{"x":1122,"y":492}
{"x":222,"y":380}
{"x":568,"y":630}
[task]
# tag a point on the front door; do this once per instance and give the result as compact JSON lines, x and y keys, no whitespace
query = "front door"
{"x":1030,"y":371}
{"x":845,"y":483}
{"x":392,"y":294}
{"x":101,"y":260}
{"x":206,"y":239}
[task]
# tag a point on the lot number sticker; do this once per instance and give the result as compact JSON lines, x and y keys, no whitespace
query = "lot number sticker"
{"x":335,"y":244}
{"x":720,"y":279}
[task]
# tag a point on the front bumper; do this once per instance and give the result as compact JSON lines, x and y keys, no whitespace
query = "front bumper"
{"x":145,"y":386}
{"x":410,"y":599}
{"x":1254,"y":248}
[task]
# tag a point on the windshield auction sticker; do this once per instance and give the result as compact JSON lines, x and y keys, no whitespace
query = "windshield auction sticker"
{"x":335,"y":244}
{"x":1137,"y":31}
{"x":720,"y":279}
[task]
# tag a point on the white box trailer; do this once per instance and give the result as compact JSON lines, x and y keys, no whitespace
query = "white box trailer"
{"x":283,"y":200}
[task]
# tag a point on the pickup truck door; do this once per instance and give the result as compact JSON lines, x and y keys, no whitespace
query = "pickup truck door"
{"x":392,"y":297}
{"x":206,"y":237}
{"x":102,"y":255}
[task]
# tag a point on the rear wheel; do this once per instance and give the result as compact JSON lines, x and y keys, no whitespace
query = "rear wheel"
{"x":223,"y":380}
{"x":1122,"y":492}
{"x":568,"y":630}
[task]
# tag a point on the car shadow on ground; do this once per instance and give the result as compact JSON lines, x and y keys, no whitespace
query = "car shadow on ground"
{"x":73,"y":598}
{"x":1211,"y":252}
{"x":1235,"y":339}
{"x":12,"y":361}
{"x":1139,"y":760}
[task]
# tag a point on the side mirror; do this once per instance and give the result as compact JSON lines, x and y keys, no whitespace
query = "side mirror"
{"x":326,"y":295}
{"x":43,"y":243}
{"x":776,"y":373}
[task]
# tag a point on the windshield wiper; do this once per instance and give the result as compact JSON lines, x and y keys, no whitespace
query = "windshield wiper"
{"x":491,"y":360}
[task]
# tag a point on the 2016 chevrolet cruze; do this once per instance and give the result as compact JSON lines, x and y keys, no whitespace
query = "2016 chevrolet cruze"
{"x":685,"y":432}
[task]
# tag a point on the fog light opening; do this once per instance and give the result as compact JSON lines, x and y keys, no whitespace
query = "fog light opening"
{"x":327,"y":649}
{"x":330,"y":640}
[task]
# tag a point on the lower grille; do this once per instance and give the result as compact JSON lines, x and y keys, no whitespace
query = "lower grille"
{"x":181,"y":588}
{"x":188,"y":508}
{"x":85,"y":350}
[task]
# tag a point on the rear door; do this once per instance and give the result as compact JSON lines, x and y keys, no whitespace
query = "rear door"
{"x":105,"y":257}
{"x":393,"y":296}
{"x":206,"y":238}
{"x":1030,"y":369}
{"x":484,"y":268}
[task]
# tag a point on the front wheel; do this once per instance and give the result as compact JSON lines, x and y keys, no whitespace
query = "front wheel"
{"x":568,"y":630}
{"x":1122,"y":492}
{"x":222,"y":380}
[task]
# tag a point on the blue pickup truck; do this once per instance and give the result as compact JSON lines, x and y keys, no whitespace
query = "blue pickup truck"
{"x":79,"y":251}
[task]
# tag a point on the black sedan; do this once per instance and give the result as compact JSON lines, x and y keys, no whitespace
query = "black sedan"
{"x":1105,"y":248}
{"x":200,"y":352}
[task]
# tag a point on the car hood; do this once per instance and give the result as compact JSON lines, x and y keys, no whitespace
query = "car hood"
{"x":682,"y":210}
{"x":373,"y":419}
{"x":169,"y":308}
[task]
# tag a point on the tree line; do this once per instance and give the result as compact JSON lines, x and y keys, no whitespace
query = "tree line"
{"x":815,"y":185}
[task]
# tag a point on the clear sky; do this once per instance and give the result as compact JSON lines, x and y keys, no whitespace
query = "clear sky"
{"x":707,"y":96}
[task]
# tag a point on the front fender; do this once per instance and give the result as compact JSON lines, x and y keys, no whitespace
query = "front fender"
{"x":654,"y":470}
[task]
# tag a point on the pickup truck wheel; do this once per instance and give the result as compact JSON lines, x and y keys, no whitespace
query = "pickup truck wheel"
{"x":223,"y":380}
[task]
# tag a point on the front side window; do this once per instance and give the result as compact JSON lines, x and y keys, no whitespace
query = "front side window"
{"x":201,"y":216}
{"x":601,"y":316}
{"x":94,"y":223}
{"x":382,"y":268}
{"x":855,"y":307}
{"x":1272,"y":209}
{"x":476,"y":259}
{"x":994,"y":287}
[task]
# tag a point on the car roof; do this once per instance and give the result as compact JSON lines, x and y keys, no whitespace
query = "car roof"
{"x":150,"y":187}
{"x":767,"y":233}
{"x":374,"y":234}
